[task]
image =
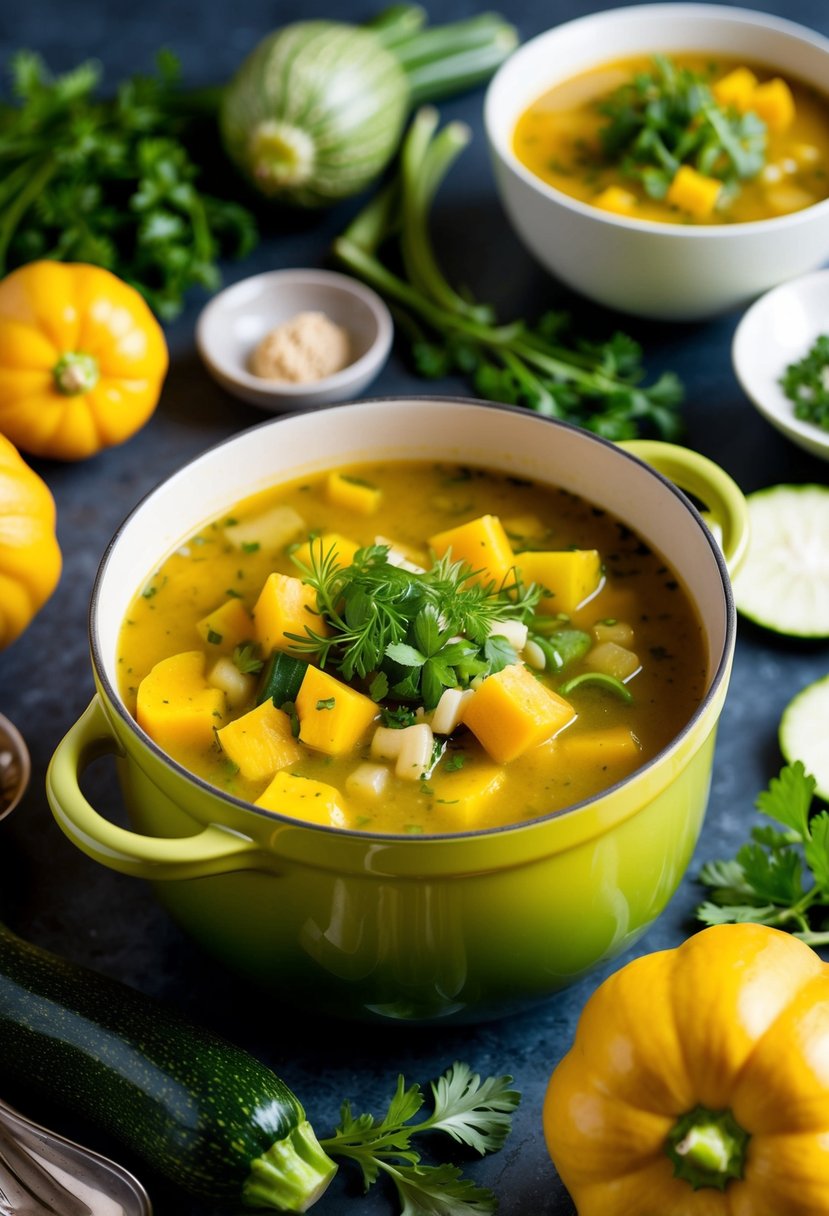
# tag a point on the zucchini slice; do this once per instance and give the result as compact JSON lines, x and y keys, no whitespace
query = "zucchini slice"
{"x":204,"y":1113}
{"x":804,"y":733}
{"x":783,"y":583}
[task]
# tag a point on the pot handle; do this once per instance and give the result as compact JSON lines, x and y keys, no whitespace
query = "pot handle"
{"x":214,"y":850}
{"x":724,"y":502}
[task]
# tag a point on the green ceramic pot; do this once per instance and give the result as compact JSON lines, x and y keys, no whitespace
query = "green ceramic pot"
{"x":459,"y":927}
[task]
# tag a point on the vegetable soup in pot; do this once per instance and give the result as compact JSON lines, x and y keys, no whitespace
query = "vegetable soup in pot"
{"x":413,"y":648}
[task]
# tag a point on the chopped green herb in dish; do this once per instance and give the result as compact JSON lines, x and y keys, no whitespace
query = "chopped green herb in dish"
{"x":806,"y":384}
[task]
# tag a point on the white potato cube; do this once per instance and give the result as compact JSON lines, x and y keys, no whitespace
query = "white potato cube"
{"x":367,"y":780}
{"x":238,"y":686}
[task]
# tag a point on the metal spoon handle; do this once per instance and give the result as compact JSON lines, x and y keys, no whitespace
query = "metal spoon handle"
{"x":44,"y":1174}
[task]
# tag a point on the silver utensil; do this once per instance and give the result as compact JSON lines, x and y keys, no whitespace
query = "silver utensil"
{"x":44,"y":1174}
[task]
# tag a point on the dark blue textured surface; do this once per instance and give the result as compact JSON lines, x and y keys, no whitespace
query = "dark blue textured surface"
{"x":55,"y":896}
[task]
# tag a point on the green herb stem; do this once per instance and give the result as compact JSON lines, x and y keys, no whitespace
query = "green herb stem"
{"x":36,"y":183}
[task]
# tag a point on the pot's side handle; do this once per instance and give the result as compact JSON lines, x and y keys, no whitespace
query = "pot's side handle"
{"x":214,"y":850}
{"x":696,"y":474}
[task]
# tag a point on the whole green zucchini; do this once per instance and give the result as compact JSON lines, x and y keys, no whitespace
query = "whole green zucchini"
{"x":197,"y":1109}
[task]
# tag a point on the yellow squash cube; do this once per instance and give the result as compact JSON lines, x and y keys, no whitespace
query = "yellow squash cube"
{"x":736,"y":89}
{"x":617,"y":745}
{"x":285,"y":605}
{"x":352,"y":493}
{"x":461,"y":795}
{"x":320,"y":546}
{"x":303,"y":798}
{"x":617,"y":200}
{"x":512,"y":711}
{"x":482,"y":543}
{"x":227,"y":626}
{"x":260,"y":742}
{"x":693,"y":192}
{"x":570,"y":575}
{"x":774,"y":102}
{"x":175,"y":704}
{"x":333,"y":718}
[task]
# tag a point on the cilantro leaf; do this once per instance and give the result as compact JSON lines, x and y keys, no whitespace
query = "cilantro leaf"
{"x":789,"y":797}
{"x":472,"y":1111}
{"x":440,"y":1190}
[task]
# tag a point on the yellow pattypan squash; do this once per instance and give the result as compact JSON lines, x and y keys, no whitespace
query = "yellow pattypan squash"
{"x":82,"y":359}
{"x":30,"y":559}
{"x":698,"y":1083}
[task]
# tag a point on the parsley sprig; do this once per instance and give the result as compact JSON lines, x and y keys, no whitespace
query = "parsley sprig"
{"x":474,"y":1112}
{"x":595,"y":385}
{"x":667,"y":117}
{"x":806,"y":384}
{"x":778,"y":878}
{"x":111,"y":182}
{"x":414,"y":634}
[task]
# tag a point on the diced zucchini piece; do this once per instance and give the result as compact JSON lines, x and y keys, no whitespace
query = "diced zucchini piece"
{"x":303,"y":798}
{"x":272,"y":530}
{"x":514,"y":631}
{"x":260,"y":742}
{"x":512,"y":711}
{"x":333,"y":718}
{"x":238,"y":686}
{"x":368,"y":781}
{"x":570,"y":575}
{"x":353,"y":494}
{"x":285,"y":605}
{"x":386,"y":743}
{"x":619,"y":632}
{"x":175,"y":704}
{"x":481,"y":543}
{"x":227,"y":626}
{"x":415,"y":755}
{"x":448,"y":713}
{"x":613,"y":660}
{"x":281,"y":678}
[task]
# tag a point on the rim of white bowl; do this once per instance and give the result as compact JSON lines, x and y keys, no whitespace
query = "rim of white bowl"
{"x":720,"y":664}
{"x":773,"y":404}
{"x":724,"y":14}
{"x":376,"y":353}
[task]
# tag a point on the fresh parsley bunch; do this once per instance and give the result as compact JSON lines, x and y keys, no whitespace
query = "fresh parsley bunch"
{"x":474,"y":1112}
{"x":778,"y":878}
{"x":111,"y":182}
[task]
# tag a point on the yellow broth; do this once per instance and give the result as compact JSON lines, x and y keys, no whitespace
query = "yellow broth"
{"x":557,"y":138}
{"x":419,"y":500}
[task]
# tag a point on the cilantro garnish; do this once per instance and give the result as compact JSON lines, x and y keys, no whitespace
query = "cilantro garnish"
{"x":778,"y":878}
{"x":473,"y":1112}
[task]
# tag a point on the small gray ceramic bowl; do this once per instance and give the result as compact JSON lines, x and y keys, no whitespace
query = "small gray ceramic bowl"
{"x":234,"y":322}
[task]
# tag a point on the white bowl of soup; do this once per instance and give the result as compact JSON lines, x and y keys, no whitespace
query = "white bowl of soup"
{"x":662,"y":226}
{"x":349,"y":837}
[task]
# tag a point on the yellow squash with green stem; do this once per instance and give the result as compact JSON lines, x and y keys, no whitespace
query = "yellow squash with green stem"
{"x":82,"y":359}
{"x":698,"y":1083}
{"x":30,"y":559}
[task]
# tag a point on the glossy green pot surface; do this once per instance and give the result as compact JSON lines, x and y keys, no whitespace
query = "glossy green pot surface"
{"x":453,"y":927}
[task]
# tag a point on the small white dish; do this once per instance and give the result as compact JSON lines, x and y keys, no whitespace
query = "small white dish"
{"x":778,"y":330}
{"x":234,"y":322}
